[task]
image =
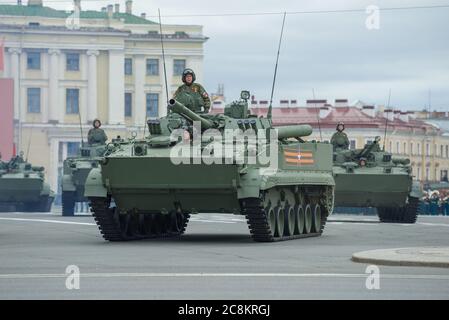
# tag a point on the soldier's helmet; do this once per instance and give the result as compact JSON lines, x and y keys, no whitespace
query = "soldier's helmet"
{"x":186,"y":72}
{"x":340,"y":124}
{"x":95,"y":121}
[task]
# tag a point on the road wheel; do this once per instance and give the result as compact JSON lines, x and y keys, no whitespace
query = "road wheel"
{"x":308,"y":219}
{"x":290,"y":220}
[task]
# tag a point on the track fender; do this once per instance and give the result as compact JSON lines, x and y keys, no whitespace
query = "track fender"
{"x":416,"y":191}
{"x":250,"y":183}
{"x":94,"y":184}
{"x":67,"y":183}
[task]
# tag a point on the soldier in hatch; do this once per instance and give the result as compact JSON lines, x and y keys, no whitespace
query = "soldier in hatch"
{"x":339,"y":139}
{"x":96,"y":135}
{"x":191,"y":94}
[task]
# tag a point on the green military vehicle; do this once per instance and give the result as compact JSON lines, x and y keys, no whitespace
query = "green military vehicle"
{"x":370,"y":177}
{"x":23,"y":187}
{"x":75,"y":173}
{"x":148,"y":188}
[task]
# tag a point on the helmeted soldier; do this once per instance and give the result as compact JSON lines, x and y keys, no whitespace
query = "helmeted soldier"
{"x":96,"y":135}
{"x":339,"y":139}
{"x":191,"y":94}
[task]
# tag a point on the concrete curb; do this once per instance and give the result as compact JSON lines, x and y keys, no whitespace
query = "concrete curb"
{"x":410,"y":257}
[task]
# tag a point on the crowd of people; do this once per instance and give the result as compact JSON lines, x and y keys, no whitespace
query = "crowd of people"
{"x":435,"y":203}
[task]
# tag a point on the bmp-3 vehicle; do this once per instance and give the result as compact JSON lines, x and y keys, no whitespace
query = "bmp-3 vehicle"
{"x":75,"y":173}
{"x":148,"y":188}
{"x":23,"y":187}
{"x":371,"y":177}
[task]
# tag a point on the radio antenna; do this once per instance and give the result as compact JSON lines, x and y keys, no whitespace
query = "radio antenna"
{"x":386,"y":120}
{"x":163,"y":53}
{"x":81,"y":127}
{"x":270,"y":108}
{"x":317,"y":115}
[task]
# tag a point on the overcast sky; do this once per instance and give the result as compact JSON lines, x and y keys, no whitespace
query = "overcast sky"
{"x":332,"y":53}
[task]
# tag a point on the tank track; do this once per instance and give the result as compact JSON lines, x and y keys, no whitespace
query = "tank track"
{"x":259,"y":225}
{"x":113,"y":229}
{"x":407,"y":214}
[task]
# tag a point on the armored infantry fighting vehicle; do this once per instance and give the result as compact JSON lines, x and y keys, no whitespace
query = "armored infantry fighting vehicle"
{"x":370,"y":177}
{"x":23,"y":188}
{"x":148,"y":188}
{"x":75,"y":172}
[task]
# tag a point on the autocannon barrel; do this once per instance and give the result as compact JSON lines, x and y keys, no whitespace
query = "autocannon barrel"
{"x":369,"y":147}
{"x":182,"y":110}
{"x":302,"y":130}
{"x":400,"y":160}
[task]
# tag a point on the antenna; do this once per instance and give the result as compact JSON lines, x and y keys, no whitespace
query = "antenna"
{"x":317,"y":115}
{"x":29,"y":140}
{"x":386,"y":120}
{"x":269,"y":114}
{"x":81,"y":127}
{"x":163,"y":53}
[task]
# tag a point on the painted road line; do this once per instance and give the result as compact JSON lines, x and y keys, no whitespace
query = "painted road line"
{"x":49,"y":221}
{"x":225,"y":275}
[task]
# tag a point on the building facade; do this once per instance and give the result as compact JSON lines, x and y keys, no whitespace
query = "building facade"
{"x":70,"y":68}
{"x":425,"y":143}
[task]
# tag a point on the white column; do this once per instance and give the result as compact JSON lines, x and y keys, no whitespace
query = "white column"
{"x":15,"y":74}
{"x":92,"y":84}
{"x":116,"y":87}
{"x":53,"y":90}
{"x":139,"y":90}
{"x":163,"y":95}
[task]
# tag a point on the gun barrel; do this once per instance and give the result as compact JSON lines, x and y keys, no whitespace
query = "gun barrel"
{"x":182,"y":110}
{"x":302,"y":130}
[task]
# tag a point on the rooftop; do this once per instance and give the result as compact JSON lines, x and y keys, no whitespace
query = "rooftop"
{"x":42,"y":11}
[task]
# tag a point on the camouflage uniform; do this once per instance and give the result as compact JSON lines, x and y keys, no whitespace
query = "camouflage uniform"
{"x":96,"y":135}
{"x":339,"y":139}
{"x":193,"y":95}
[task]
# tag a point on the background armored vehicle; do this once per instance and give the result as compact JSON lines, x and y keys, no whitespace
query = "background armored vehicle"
{"x":149,"y":188}
{"x":75,"y":172}
{"x":22,"y":187}
{"x":370,"y":177}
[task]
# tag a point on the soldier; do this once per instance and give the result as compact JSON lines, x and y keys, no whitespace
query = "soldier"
{"x":96,"y":135}
{"x":339,"y":139}
{"x":191,"y":94}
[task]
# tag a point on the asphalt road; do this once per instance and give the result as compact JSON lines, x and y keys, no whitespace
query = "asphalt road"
{"x":215,"y":259}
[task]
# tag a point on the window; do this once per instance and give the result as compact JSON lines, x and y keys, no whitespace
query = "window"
{"x":443,"y":175}
{"x":398,"y":147}
{"x":418,"y":149}
{"x":427,"y":149}
{"x":411,"y":148}
{"x":34,"y":60}
{"x":427,"y":174}
{"x":418,"y":175}
{"x":128,"y":66}
{"x":405,"y":148}
{"x":128,"y":104}
{"x":72,"y":61}
{"x":352,"y":144}
{"x":73,"y":149}
{"x":178,"y":66}
{"x":447,"y":151}
{"x":152,"y":105}
{"x":441,"y":151}
{"x":390,"y":147}
{"x":72,"y":101}
{"x":34,"y":100}
{"x":152,"y":67}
